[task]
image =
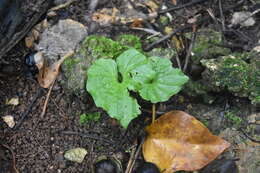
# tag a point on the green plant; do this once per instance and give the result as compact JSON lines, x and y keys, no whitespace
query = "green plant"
{"x":109,"y":82}
{"x":85,"y":118}
{"x":233,"y":118}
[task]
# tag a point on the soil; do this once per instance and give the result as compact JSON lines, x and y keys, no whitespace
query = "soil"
{"x":38,"y":143}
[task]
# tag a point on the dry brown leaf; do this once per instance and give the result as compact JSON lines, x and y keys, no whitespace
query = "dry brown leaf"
{"x":47,"y":75}
{"x":34,"y":34}
{"x":178,"y":141}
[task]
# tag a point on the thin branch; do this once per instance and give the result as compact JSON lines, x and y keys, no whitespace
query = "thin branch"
{"x":182,"y":6}
{"x":47,"y":99}
{"x":61,"y":6}
{"x":188,"y":54}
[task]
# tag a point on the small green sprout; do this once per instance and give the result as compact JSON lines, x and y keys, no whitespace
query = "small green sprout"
{"x":86,"y":118}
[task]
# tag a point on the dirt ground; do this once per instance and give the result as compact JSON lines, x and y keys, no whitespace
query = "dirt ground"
{"x":38,"y":143}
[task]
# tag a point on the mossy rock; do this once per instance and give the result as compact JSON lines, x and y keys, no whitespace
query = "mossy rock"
{"x":234,"y":74}
{"x":92,"y":48}
{"x":206,"y":47}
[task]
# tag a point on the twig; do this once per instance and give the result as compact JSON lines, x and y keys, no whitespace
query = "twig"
{"x":182,"y":6}
{"x":249,"y":137}
{"x":149,"y":47}
{"x":221,"y":16}
{"x":131,"y":160}
{"x":24,"y":115}
{"x":13,"y":157}
{"x":150,"y":31}
{"x":47,"y":99}
{"x":193,"y":38}
{"x":135,"y":155}
{"x":58,"y":7}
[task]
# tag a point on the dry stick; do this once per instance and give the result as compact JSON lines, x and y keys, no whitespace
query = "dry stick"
{"x":149,"y":47}
{"x":47,"y":99}
{"x":136,"y":155}
{"x":249,"y":137}
{"x":13,"y":156}
{"x":193,"y":38}
{"x":182,"y":6}
{"x":58,"y":7}
{"x":150,"y":31}
{"x":69,"y":54}
{"x":131,"y":160}
{"x":221,"y":15}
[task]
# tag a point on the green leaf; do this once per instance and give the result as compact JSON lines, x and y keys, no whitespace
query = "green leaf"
{"x":109,"y":93}
{"x":158,"y":79}
{"x":109,"y":81}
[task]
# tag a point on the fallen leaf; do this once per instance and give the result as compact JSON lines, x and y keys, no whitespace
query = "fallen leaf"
{"x":76,"y":154}
{"x":9,"y":120}
{"x":47,"y":75}
{"x":34,"y":34}
{"x":13,"y":101}
{"x":178,"y":141}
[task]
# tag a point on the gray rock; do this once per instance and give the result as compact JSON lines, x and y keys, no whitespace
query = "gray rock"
{"x":61,"y":38}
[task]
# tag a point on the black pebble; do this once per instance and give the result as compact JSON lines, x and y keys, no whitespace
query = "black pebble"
{"x":148,"y":167}
{"x":105,"y":166}
{"x":30,"y":69}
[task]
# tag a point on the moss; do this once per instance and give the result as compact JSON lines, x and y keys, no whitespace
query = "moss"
{"x":234,"y":74}
{"x":198,"y":89}
{"x":101,"y":47}
{"x":129,"y":40}
{"x":233,"y":119}
{"x":206,"y":47}
{"x":70,"y":62}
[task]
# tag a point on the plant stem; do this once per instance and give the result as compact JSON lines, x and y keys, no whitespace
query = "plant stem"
{"x":153,"y":113}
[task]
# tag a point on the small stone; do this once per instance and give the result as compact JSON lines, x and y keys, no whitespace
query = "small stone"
{"x":56,"y":41}
{"x":9,"y":120}
{"x":243,"y":18}
{"x":76,"y":155}
{"x":13,"y":101}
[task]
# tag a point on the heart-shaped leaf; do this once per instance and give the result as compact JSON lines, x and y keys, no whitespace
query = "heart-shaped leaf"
{"x":110,"y":91}
{"x":109,"y":83}
{"x":159,"y":81}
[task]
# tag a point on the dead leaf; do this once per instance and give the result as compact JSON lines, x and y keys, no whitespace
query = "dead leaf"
{"x":34,"y":34}
{"x":47,"y":75}
{"x":178,"y":141}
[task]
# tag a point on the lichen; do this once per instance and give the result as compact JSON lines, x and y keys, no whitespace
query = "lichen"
{"x":234,"y":74}
{"x":206,"y":47}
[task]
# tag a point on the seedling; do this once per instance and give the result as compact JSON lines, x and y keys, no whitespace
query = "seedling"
{"x":109,"y":82}
{"x":85,"y":118}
